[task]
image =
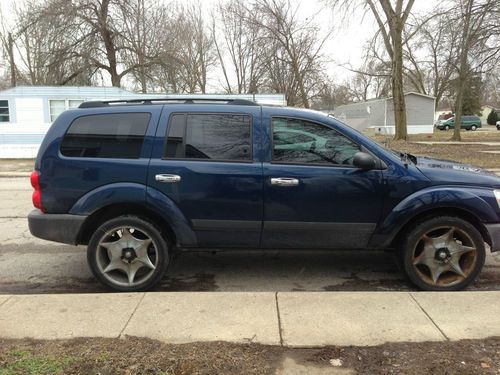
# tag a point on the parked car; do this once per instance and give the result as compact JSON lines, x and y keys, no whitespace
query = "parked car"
{"x":467,"y":123}
{"x":137,"y":181}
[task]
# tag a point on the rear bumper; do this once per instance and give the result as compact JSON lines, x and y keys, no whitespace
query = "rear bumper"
{"x":55,"y":227}
{"x":494,"y":234}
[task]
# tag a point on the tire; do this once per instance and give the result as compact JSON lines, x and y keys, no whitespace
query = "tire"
{"x":447,"y":127}
{"x":132,"y":250}
{"x":473,"y":128}
{"x":424,"y":257}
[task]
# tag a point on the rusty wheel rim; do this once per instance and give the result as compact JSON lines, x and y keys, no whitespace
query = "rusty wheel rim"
{"x":444,"y":256}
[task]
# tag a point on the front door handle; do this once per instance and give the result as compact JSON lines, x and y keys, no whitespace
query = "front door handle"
{"x":167,"y":178}
{"x":284,"y":181}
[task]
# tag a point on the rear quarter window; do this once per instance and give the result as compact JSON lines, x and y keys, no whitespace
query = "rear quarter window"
{"x":114,"y":135}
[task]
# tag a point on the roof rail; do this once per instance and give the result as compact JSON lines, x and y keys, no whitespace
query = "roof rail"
{"x":107,"y":103}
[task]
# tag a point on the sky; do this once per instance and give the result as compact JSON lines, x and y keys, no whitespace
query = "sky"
{"x":349,"y":34}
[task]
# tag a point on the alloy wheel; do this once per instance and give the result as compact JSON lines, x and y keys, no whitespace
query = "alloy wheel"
{"x":444,"y":256}
{"x":127,"y":256}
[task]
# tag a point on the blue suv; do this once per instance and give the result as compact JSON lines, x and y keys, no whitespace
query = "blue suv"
{"x":138,"y":180}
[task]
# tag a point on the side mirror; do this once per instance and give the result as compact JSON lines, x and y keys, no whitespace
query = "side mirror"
{"x":363,"y":161}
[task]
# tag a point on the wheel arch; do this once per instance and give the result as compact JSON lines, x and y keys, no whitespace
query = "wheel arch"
{"x":442,"y":211}
{"x":98,"y":217}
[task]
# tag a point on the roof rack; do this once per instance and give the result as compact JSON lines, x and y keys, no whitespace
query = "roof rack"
{"x":107,"y":103}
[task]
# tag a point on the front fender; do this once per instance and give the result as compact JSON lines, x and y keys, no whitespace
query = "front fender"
{"x":478,"y":202}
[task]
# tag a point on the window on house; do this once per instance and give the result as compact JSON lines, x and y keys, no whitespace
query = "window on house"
{"x":210,"y":136}
{"x":116,"y":135}
{"x":4,"y":111}
{"x":74,"y":103}
{"x":58,"y":106}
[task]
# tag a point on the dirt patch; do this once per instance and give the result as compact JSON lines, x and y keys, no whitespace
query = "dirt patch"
{"x":200,"y":282}
{"x":144,"y":356}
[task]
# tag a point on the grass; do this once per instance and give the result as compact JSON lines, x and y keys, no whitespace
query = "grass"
{"x":464,"y":153}
{"x":25,"y":362}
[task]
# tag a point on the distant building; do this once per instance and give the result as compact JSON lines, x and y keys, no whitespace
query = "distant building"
{"x":26,"y":112}
{"x":378,"y":114}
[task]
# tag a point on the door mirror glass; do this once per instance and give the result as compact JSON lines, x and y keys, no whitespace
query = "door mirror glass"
{"x":364,"y":161}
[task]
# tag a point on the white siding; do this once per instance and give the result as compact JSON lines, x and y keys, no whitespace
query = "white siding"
{"x":29,"y":110}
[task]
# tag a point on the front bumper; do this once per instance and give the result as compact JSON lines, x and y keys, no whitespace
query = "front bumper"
{"x":494,"y":234}
{"x":62,"y":228}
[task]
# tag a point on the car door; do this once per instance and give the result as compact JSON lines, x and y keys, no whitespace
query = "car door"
{"x":313,"y":196}
{"x":205,"y":165}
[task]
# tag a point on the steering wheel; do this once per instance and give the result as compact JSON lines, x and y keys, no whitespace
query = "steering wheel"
{"x":312,"y":149}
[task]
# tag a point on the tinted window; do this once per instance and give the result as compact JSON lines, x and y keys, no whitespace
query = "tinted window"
{"x":106,"y":136}
{"x":209,"y":136}
{"x":302,"y":142}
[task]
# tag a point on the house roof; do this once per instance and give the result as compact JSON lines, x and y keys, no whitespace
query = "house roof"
{"x":389,"y":98}
{"x":80,"y":91}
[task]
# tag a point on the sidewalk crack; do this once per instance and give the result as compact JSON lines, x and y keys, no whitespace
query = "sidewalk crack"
{"x":429,"y":317}
{"x":131,"y":315}
{"x":7,"y":300}
{"x":280,"y":329}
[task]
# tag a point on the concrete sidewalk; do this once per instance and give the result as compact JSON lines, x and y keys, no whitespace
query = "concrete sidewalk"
{"x":292,"y":319}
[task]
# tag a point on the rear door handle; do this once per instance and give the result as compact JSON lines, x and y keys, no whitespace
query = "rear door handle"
{"x":167,"y":178}
{"x":284,"y":181}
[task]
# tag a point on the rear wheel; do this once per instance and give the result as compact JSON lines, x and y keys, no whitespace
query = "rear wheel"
{"x":473,"y":127}
{"x":447,"y":127}
{"x":443,"y":254}
{"x":128,"y":254}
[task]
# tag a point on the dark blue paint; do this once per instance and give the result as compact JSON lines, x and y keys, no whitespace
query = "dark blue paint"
{"x":226,"y":204}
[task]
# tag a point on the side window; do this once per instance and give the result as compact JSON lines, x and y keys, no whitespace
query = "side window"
{"x":303,"y":142}
{"x":117,"y":135}
{"x":209,"y":136}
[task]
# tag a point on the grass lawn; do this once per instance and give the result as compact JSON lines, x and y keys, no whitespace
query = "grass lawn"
{"x":465,"y":153}
{"x":133,"y":355}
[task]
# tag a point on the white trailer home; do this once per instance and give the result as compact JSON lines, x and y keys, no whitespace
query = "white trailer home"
{"x":26,"y":112}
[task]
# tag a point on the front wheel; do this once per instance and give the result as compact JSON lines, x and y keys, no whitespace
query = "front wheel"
{"x":473,"y":128}
{"x":447,"y":127}
{"x":443,"y":254}
{"x":128,"y":254}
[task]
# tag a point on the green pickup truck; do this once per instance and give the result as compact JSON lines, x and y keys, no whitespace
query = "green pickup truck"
{"x":467,"y":123}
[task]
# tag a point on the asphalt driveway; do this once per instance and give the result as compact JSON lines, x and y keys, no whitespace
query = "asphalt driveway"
{"x":31,"y":265}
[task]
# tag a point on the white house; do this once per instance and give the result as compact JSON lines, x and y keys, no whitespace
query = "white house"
{"x":26,"y":112}
{"x":378,"y":114}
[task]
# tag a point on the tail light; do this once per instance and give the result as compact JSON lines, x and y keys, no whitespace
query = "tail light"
{"x":37,"y":194}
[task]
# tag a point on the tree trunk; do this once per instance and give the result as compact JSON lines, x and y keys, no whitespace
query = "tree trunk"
{"x":115,"y":77}
{"x":398,"y":96}
{"x":13,"y":81}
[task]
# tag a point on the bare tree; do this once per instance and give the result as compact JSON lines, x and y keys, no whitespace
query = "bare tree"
{"x":294,"y":58}
{"x":391,"y":20}
{"x":430,"y":56}
{"x":239,"y":49}
{"x":477,"y":47}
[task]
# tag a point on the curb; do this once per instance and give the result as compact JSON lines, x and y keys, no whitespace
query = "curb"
{"x":14,"y":174}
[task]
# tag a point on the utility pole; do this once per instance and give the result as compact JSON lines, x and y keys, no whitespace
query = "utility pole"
{"x":11,"y":61}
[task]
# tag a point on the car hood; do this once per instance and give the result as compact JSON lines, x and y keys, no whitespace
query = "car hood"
{"x":447,"y":171}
